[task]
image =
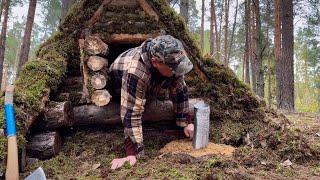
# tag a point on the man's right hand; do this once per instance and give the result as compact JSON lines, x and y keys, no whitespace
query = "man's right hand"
{"x":117,"y":163}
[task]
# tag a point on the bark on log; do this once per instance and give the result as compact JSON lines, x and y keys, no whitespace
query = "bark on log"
{"x":84,"y":71}
{"x":93,"y":45}
{"x":124,"y":3}
{"x":101,"y":97}
{"x":110,"y":114}
{"x":98,"y":13}
{"x":98,"y":81}
{"x":148,"y":9}
{"x":56,"y":115}
{"x":45,"y":145}
{"x":128,"y":38}
{"x":96,"y":63}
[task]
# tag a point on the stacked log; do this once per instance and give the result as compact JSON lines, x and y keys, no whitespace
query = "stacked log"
{"x":46,"y":141}
{"x":56,"y":115}
{"x":44,"y":145}
{"x":94,"y":69}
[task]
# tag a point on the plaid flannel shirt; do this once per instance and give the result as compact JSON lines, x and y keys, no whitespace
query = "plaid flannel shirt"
{"x":138,"y":79}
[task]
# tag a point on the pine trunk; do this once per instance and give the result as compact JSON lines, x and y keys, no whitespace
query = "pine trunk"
{"x":226,"y":26}
{"x":253,"y":48}
{"x":220,"y":31}
{"x":25,"y":47}
{"x":269,"y":53}
{"x":247,"y":45}
{"x":1,"y":8}
{"x":215,"y":27}
{"x":259,"y":53}
{"x":202,"y":28}
{"x":212,"y":25}
{"x":285,"y":73}
{"x":233,"y":30}
{"x":3,"y":35}
{"x":184,"y":9}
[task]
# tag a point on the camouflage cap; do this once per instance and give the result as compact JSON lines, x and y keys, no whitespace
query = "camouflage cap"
{"x":170,"y":51}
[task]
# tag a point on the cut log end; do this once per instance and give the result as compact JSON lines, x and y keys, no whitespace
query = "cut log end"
{"x":45,"y":145}
{"x":98,"y":81}
{"x":93,"y":45}
{"x":101,"y":97}
{"x":56,"y":115}
{"x":96,"y":63}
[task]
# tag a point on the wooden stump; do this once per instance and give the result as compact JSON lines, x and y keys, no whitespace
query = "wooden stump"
{"x":96,"y":63}
{"x":45,"y":145}
{"x":101,"y":97}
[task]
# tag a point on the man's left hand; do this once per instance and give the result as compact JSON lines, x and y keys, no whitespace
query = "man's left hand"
{"x":117,"y":163}
{"x":189,"y":130}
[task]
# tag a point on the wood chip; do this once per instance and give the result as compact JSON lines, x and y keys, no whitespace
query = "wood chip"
{"x":96,"y":166}
{"x":286,"y":163}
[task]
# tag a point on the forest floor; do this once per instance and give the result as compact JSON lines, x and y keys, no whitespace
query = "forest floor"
{"x":87,"y":154}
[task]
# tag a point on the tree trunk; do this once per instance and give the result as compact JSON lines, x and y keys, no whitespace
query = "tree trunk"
{"x":25,"y":47}
{"x":277,"y":45}
{"x":212,"y":25}
{"x":285,"y":73}
{"x":220,"y":31}
{"x":253,"y":48}
{"x":247,"y":45}
{"x":65,"y":6}
{"x":184,"y":9}
{"x":268,"y":53}
{"x":259,"y":53}
{"x":215,"y":27}
{"x":202,"y":27}
{"x":45,"y":145}
{"x":226,"y":26}
{"x":1,"y":8}
{"x":233,"y":30}
{"x":3,"y":35}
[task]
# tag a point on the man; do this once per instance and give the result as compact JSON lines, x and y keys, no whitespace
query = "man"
{"x":140,"y":72}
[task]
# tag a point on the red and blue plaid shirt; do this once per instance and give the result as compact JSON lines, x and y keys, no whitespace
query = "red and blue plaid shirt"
{"x":138,"y":79}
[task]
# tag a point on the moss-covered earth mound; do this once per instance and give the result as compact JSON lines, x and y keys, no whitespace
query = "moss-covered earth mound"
{"x":238,"y":117}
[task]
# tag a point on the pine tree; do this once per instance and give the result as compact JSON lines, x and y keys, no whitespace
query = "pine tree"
{"x":25,"y":47}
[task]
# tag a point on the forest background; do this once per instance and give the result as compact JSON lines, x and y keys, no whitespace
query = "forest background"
{"x":231,"y":39}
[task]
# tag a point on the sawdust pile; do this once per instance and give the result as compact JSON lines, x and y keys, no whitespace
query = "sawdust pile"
{"x":185,"y":146}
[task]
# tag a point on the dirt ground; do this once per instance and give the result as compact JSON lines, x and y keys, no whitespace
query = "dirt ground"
{"x":87,"y":154}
